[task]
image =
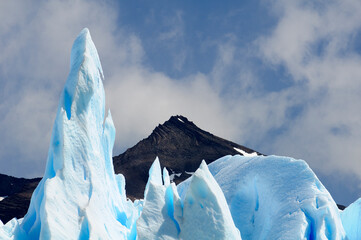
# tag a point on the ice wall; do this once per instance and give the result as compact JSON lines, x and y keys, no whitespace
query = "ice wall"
{"x":7,"y":230}
{"x":203,"y":214}
{"x":275,"y":198}
{"x":157,"y":218}
{"x":205,"y":211}
{"x":351,"y":220}
{"x":79,"y":196}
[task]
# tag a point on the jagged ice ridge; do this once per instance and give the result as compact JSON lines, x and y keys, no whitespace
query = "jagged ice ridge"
{"x":235,"y":197}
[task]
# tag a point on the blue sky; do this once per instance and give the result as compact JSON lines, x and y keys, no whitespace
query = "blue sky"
{"x":282,"y":77}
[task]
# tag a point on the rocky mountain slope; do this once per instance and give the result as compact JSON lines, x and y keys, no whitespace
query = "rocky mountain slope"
{"x":180,"y":145}
{"x":16,"y":194}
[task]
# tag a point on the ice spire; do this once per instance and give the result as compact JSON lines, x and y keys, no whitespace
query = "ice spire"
{"x":79,"y":196}
{"x":206,"y":207}
{"x":204,"y":214}
{"x":156,"y":220}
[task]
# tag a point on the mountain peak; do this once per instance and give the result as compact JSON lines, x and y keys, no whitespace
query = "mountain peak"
{"x":180,"y":145}
{"x":174,"y":123}
{"x":179,"y":118}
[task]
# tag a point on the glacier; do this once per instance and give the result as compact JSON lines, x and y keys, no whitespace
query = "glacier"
{"x":204,"y":214}
{"x":79,"y":196}
{"x":205,"y":206}
{"x":235,"y":197}
{"x":351,"y":220}
{"x":157,"y":219}
{"x":272,"y":197}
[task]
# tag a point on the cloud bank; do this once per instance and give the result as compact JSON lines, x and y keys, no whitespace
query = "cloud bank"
{"x":290,"y":90}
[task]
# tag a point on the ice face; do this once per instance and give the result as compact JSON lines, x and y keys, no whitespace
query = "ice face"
{"x":7,"y":230}
{"x":275,"y":198}
{"x":351,"y":220}
{"x":205,"y":211}
{"x":157,"y":218}
{"x":204,"y":214}
{"x":155,"y":176}
{"x":79,"y":196}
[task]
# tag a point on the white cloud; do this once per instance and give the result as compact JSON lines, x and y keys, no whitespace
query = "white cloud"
{"x":314,"y":44}
{"x":36,"y":62}
{"x":35,"y":46}
{"x":142,"y":99}
{"x":173,"y":37}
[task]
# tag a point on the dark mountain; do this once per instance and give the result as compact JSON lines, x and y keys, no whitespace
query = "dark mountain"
{"x":180,"y":146}
{"x":18,"y":192}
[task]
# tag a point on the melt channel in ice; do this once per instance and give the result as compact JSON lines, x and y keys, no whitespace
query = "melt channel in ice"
{"x":275,"y":198}
{"x":79,"y":196}
{"x":204,"y":214}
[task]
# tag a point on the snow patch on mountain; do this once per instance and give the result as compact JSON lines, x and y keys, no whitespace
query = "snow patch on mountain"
{"x":244,"y":153}
{"x":173,"y":175}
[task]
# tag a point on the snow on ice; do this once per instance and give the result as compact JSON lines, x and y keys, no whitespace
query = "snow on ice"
{"x":235,"y":197}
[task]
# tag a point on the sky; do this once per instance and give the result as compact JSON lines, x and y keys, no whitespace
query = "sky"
{"x":281,"y":77}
